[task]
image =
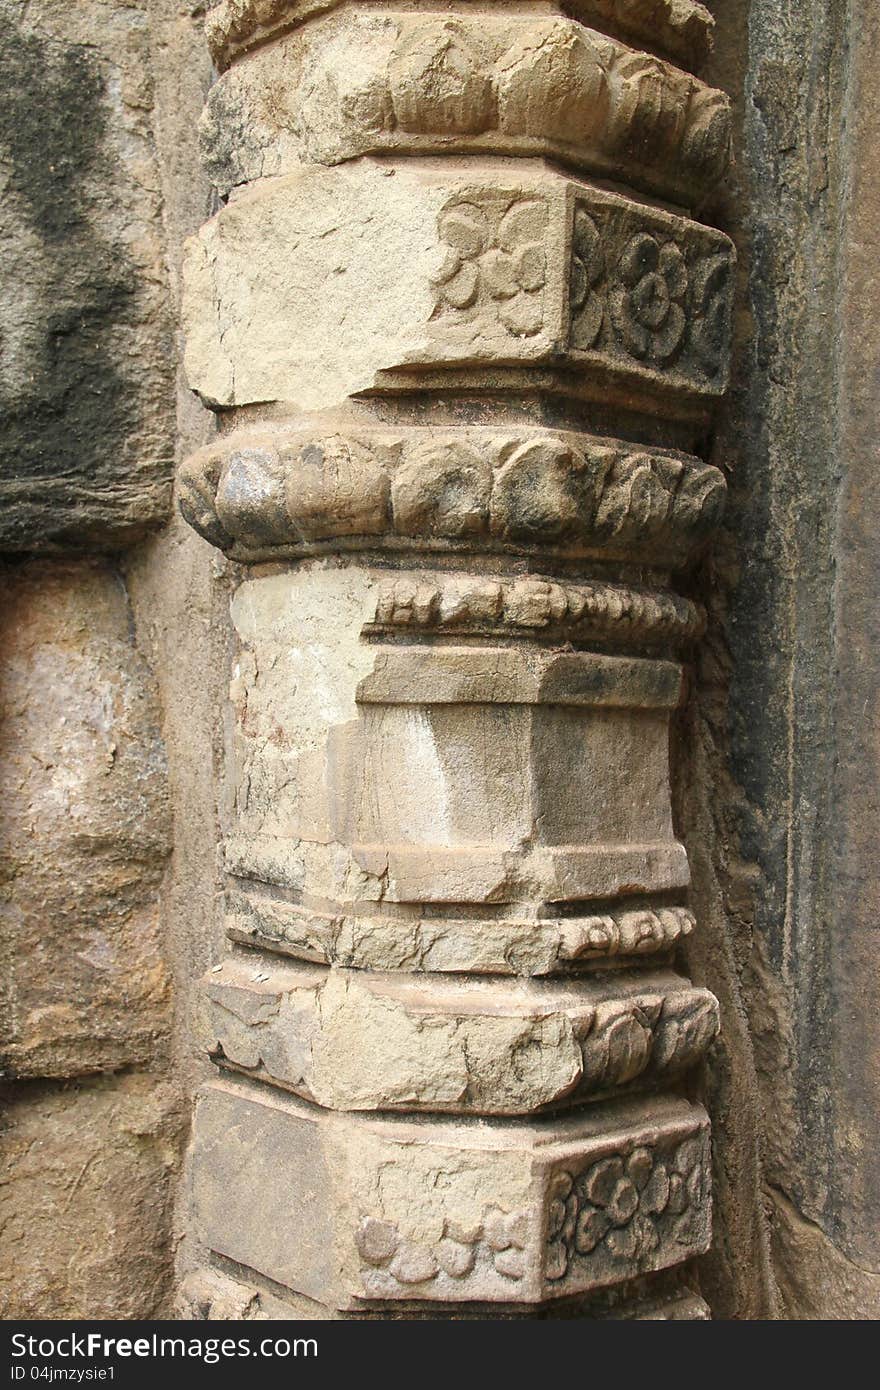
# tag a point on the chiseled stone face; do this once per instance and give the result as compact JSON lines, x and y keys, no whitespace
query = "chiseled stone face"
{"x":374,"y":81}
{"x":506,"y":1213}
{"x":404,"y":269}
{"x":85,"y":829}
{"x":454,"y":393}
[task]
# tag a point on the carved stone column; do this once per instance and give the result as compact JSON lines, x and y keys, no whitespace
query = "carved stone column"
{"x":463,"y":342}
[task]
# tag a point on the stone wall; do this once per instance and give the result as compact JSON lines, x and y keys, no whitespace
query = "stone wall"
{"x":784,"y":786}
{"x":99,"y":189}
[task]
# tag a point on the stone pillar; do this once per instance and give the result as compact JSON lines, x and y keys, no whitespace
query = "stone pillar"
{"x":464,"y":342}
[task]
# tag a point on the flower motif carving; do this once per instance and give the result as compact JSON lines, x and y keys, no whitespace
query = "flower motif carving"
{"x":647,"y":304}
{"x":711,"y":312}
{"x":501,"y":1238}
{"x":587,"y":272}
{"x":623,"y":1209}
{"x":502,"y":261}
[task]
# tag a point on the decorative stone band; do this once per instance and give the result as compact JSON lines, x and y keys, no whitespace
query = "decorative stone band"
{"x":288,"y":491}
{"x":509,"y":1212}
{"x":393,"y":81}
{"x":357,"y":1040}
{"x":529,"y":608}
{"x":474,"y":945}
{"x":682,"y":28}
{"x":463,"y":874}
{"x":212,"y":1295}
{"x":408,"y":270}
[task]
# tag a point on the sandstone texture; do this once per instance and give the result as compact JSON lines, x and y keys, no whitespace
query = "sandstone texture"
{"x":413,"y":941}
{"x":367,"y":772}
{"x":273,"y":493}
{"x":512,"y":801}
{"x":512,"y":83}
{"x":86,"y":828}
{"x":85,"y":1205}
{"x":97,"y":101}
{"x":86,"y":383}
{"x":682,"y":28}
{"x":451,"y":1045}
{"x":788,"y":733}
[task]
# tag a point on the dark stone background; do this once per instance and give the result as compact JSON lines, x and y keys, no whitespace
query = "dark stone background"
{"x":86,"y":352}
{"x":783,"y":786}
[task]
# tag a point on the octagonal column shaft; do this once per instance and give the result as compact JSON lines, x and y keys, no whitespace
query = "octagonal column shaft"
{"x":460,"y":380}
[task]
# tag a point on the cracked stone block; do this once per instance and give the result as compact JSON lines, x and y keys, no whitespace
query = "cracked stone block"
{"x":350,"y":1040}
{"x":401,"y":271}
{"x":478,"y":945}
{"x":357,"y":1212}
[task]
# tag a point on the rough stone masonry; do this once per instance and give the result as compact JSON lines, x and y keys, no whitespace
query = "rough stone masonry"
{"x":463,"y":338}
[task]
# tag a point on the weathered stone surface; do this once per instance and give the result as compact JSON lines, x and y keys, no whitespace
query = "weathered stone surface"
{"x":401,"y":269}
{"x":681,"y":27}
{"x":448,"y":748}
{"x":456,"y":774}
{"x":441,"y":944}
{"x":208,"y":1294}
{"x":354,"y":1041}
{"x":86,"y":383}
{"x":286,"y":491}
{"x":85,"y":832}
{"x":85,"y":1205}
{"x":374,"y":81}
{"x":532,"y":608}
{"x":506,"y":1212}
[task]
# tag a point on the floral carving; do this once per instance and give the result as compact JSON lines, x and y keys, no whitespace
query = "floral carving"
{"x":711,"y":301}
{"x":624,"y":1209}
{"x":681,"y":26}
{"x":262,"y":490}
{"x":500,"y":1236}
{"x":587,"y":272}
{"x":643,"y":492}
{"x":705,"y":146}
{"x":491,"y":260}
{"x":647,"y":303}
